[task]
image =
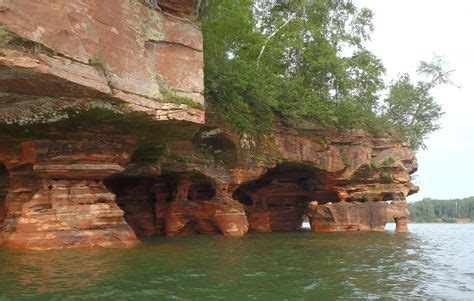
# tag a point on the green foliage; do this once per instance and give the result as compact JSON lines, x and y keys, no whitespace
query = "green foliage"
{"x":411,"y":109}
{"x":172,"y":97}
{"x":209,"y":153}
{"x":429,"y":210}
{"x":149,"y":153}
{"x":388,"y":161}
{"x":6,"y":36}
{"x":265,"y":158}
{"x":377,"y":164}
{"x":374,"y":163}
{"x":304,"y":62}
{"x":267,"y":59}
{"x":184,"y":159}
{"x":98,"y":62}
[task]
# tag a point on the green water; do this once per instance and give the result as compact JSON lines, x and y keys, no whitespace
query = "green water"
{"x":433,"y":261}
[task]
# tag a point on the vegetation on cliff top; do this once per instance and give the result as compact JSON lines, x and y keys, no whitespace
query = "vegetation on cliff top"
{"x":429,"y":210}
{"x":305,"y":62}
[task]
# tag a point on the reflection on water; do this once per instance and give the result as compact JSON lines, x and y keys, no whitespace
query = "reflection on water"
{"x":431,"y":261}
{"x":31,"y":273}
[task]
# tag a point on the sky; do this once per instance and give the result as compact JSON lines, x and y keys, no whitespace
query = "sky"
{"x":408,"y":31}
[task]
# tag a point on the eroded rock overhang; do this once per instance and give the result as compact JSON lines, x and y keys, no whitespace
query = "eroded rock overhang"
{"x":108,"y":187}
{"x":122,"y":56}
{"x":102,"y":140}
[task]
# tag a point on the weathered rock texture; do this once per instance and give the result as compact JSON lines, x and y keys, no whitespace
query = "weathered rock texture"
{"x":349,"y":174}
{"x":114,"y":54}
{"x":356,"y":216}
{"x":95,"y":189}
{"x":179,"y":203}
{"x":57,"y":198}
{"x":101,"y":139}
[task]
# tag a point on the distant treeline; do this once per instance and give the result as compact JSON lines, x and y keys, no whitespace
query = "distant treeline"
{"x":429,"y":210}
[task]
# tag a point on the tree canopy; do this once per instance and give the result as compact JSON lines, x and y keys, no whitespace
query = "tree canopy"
{"x":305,"y":62}
{"x":429,"y":210}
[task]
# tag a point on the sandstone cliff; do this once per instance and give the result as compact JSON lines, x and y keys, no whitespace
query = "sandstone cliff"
{"x":102,"y":139}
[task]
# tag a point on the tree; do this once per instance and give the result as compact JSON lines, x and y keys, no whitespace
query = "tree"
{"x":300,"y":60}
{"x":429,"y":210}
{"x":411,"y":108}
{"x":304,"y":62}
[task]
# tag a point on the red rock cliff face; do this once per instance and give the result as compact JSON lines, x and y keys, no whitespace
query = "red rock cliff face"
{"x":87,"y":53}
{"x":102,"y":142}
{"x":57,"y":198}
{"x":342,"y":181}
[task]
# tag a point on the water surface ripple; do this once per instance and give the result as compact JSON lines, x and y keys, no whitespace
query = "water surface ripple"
{"x":432,"y":261}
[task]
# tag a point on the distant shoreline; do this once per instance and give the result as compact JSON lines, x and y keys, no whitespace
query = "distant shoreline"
{"x":459,"y":221}
{"x":456,"y":211}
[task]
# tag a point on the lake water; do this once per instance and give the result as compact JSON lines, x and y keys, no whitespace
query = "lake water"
{"x":432,"y":261}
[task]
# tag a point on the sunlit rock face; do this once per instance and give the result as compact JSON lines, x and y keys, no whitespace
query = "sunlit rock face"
{"x":102,"y":140}
{"x":357,"y":216}
{"x":57,"y":199}
{"x":73,"y":213}
{"x":118,"y":55}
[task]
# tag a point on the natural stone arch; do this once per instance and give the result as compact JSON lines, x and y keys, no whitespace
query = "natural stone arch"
{"x":201,"y":205}
{"x":398,"y":211}
{"x":359,"y":215}
{"x":278,"y":200}
{"x":177,"y":203}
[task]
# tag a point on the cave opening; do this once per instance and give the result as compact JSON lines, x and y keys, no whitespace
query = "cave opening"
{"x":137,"y":198}
{"x":150,"y":203}
{"x":397,"y":211}
{"x":4,"y":188}
{"x":218,"y":146}
{"x":278,"y":200}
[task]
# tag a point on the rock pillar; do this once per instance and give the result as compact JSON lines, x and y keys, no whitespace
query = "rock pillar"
{"x":220,"y":214}
{"x":229,"y":214}
{"x":24,"y":182}
{"x":258,"y":214}
{"x":398,"y":210}
{"x":58,"y":199}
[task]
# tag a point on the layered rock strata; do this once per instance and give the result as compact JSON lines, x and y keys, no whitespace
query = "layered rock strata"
{"x":118,"y":55}
{"x":102,"y":139}
{"x":348,"y":174}
{"x":357,"y":216}
{"x":93,"y":190}
{"x":178,"y":204}
{"x":57,"y":198}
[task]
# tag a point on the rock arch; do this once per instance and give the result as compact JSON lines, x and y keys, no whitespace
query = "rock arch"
{"x":397,"y":209}
{"x":178,"y":203}
{"x":278,"y":200}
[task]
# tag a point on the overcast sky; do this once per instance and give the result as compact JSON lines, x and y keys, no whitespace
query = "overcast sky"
{"x":407,"y":31}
